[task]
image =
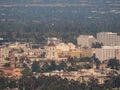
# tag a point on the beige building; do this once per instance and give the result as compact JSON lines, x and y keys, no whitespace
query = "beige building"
{"x":64,"y":50}
{"x":71,"y":46}
{"x":75,"y":53}
{"x":51,"y":51}
{"x":63,"y":47}
{"x":108,"y":38}
{"x":86,"y":40}
{"x":78,"y":53}
{"x":117,"y":55}
{"x":18,"y":45}
{"x":89,"y":52}
{"x":4,"y":52}
{"x":118,"y":40}
{"x":107,"y":52}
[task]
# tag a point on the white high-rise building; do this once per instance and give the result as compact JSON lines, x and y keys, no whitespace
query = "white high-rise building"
{"x":106,"y":52}
{"x":86,"y":40}
{"x":108,"y":38}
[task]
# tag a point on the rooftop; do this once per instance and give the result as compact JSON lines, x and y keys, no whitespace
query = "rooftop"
{"x":51,"y":44}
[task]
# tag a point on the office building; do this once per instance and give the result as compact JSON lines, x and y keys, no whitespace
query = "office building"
{"x":106,"y":52}
{"x":86,"y":40}
{"x":108,"y":38}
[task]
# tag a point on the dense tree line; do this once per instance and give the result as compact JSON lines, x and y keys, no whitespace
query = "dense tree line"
{"x":71,"y":64}
{"x":34,"y":23}
{"x":114,"y":64}
{"x":38,"y":32}
{"x":56,"y":83}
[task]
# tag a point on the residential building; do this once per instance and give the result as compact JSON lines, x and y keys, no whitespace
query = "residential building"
{"x":75,"y":53}
{"x":71,"y":46}
{"x":108,"y":38}
{"x":63,"y":47}
{"x":86,"y":40}
{"x":106,"y":52}
{"x":19,"y":45}
{"x":88,"y":52}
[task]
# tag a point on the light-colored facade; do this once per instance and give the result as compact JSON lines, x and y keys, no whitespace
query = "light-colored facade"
{"x":118,"y":40}
{"x":53,"y":40}
{"x":18,"y":45}
{"x":51,"y":52}
{"x":63,"y":47}
{"x":86,"y":40}
{"x":4,"y":52}
{"x":108,"y":38}
{"x":117,"y":55}
{"x":71,"y":46}
{"x":106,"y":52}
{"x":89,"y":52}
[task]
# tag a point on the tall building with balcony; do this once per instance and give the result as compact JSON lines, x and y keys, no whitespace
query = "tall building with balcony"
{"x":86,"y":40}
{"x":108,"y":38}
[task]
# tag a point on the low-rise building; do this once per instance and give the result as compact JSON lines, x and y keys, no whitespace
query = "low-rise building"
{"x":19,"y":45}
{"x":54,"y":40}
{"x":71,"y":46}
{"x":63,"y":47}
{"x":4,"y":52}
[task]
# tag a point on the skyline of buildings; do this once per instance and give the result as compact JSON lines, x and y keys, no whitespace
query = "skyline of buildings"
{"x":21,"y":55}
{"x":57,"y":49}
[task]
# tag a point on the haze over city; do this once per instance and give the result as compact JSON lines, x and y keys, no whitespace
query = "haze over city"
{"x":59,"y":44}
{"x":102,"y":14}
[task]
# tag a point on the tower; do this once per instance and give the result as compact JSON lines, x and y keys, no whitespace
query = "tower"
{"x":51,"y":52}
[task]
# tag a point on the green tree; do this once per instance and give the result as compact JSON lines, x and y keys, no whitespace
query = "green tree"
{"x":53,"y":66}
{"x":35,"y":66}
{"x":70,"y":59}
{"x":45,"y":67}
{"x":62,"y":66}
{"x":97,"y":61}
{"x":27,"y":72}
{"x":113,"y":63}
